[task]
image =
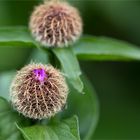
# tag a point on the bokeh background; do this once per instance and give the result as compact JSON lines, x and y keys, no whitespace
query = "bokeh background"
{"x":117,"y":83}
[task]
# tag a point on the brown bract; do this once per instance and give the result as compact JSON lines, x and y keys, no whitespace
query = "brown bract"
{"x":55,"y":24}
{"x":38,"y":98}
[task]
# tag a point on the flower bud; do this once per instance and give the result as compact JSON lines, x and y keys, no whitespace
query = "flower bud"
{"x":38,"y":91}
{"x":55,"y":24}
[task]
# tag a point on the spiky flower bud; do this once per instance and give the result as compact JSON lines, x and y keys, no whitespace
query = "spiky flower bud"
{"x":55,"y":24}
{"x":38,"y":91}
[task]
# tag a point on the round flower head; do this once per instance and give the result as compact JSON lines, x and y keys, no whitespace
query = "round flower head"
{"x":38,"y":91}
{"x":55,"y":24}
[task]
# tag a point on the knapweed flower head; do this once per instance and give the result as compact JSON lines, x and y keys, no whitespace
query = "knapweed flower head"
{"x":55,"y":24}
{"x":38,"y":91}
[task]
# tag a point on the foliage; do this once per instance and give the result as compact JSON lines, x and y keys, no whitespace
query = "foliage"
{"x":84,"y":106}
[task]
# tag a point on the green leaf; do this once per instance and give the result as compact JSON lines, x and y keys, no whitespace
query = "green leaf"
{"x":15,"y":36}
{"x":5,"y":81}
{"x":70,"y":66}
{"x":87,"y":48}
{"x":103,"y":48}
{"x":8,"y":117}
{"x":86,"y":107}
{"x":64,"y":130}
{"x":39,"y":56}
{"x":15,"y":45}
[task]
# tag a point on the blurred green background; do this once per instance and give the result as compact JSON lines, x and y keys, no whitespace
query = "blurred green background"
{"x":117,"y":83}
